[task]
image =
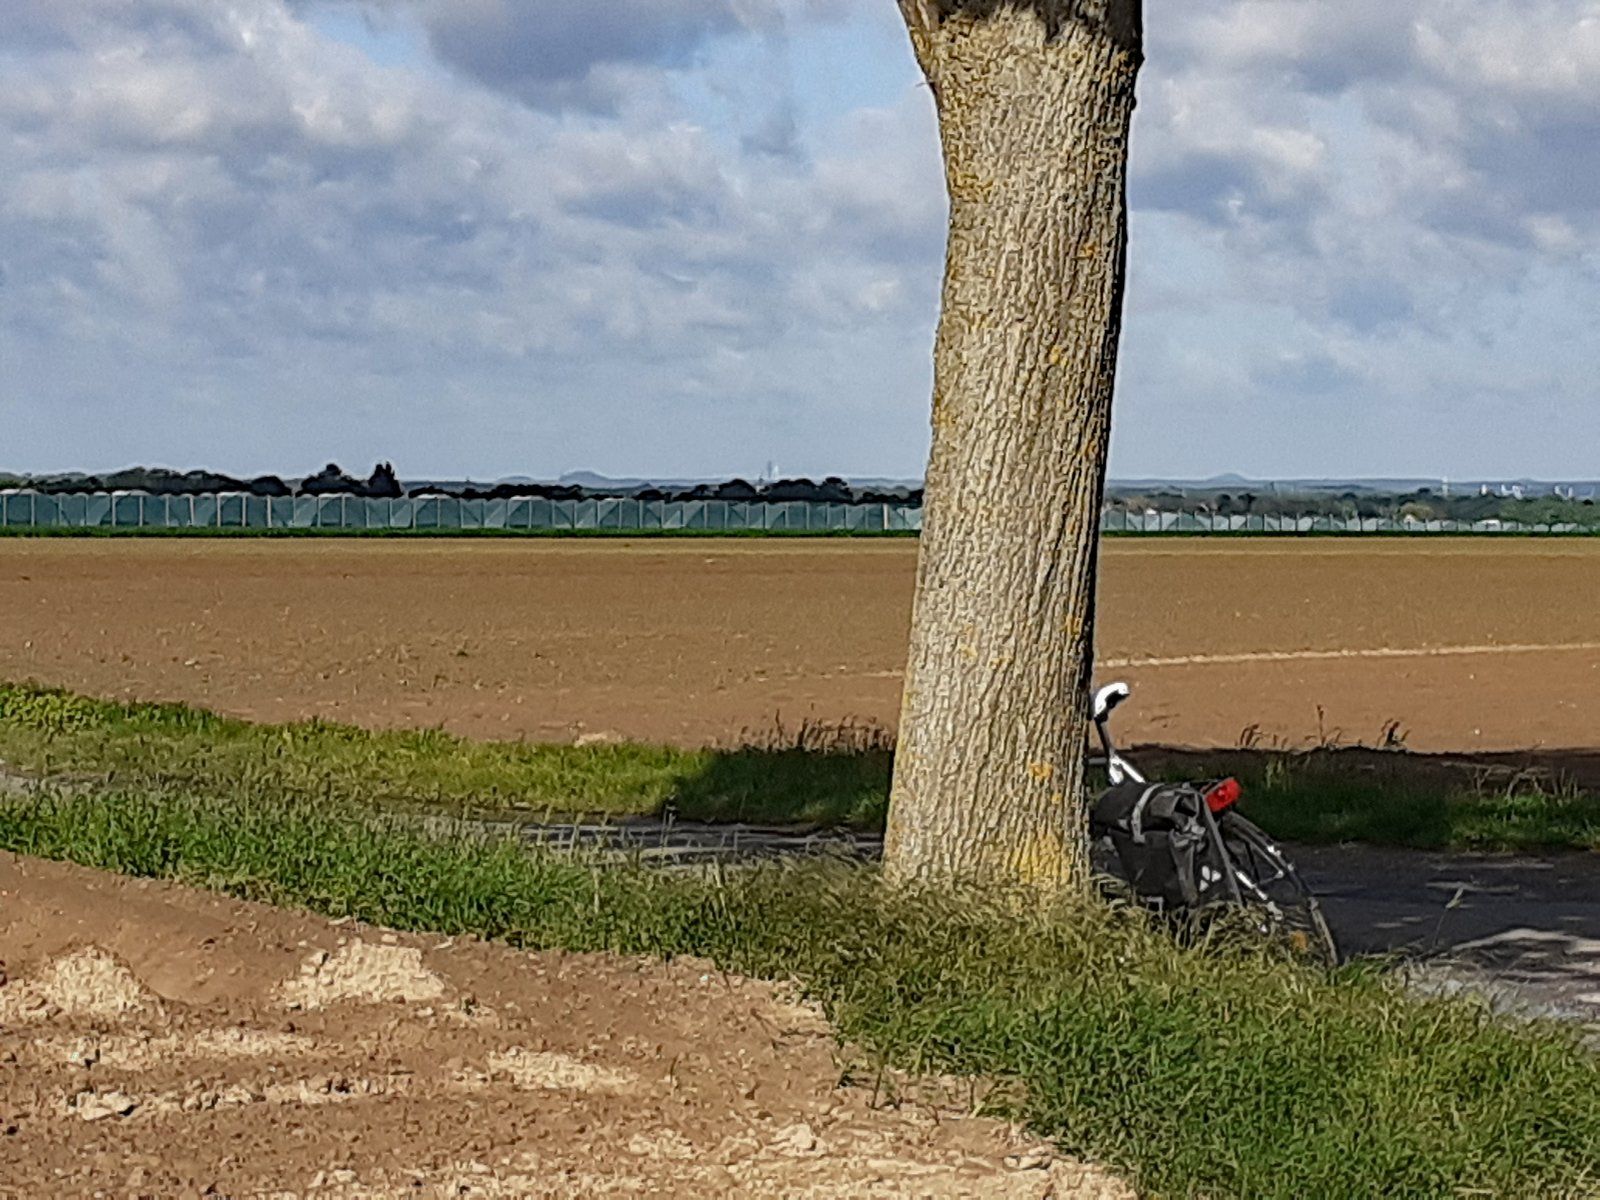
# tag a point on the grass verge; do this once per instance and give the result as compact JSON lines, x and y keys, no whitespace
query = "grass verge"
{"x":815,"y":775}
{"x":1395,"y":798}
{"x":1208,"y":1071}
{"x":826,"y":776}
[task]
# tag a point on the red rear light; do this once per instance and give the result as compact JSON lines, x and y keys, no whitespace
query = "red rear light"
{"x":1223,"y":795}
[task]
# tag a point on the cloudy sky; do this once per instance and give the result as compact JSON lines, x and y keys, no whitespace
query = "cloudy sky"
{"x":686,"y":237}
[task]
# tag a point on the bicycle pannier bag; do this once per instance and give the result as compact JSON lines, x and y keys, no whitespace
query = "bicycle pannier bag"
{"x":1160,"y":838}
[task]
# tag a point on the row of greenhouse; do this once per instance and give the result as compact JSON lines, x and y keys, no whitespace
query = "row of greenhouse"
{"x":20,"y":509}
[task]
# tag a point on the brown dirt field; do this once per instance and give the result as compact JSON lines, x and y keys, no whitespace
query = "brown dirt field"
{"x":159,"y":1041}
{"x":1471,"y":644}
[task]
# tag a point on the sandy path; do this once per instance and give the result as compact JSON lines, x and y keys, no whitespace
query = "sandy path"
{"x":159,"y":1041}
{"x":1471,"y":644}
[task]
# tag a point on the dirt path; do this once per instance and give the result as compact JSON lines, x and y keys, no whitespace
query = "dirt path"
{"x":1470,"y":644}
{"x":159,"y":1041}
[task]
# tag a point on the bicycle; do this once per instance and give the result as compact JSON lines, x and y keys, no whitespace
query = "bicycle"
{"x":1182,"y":848}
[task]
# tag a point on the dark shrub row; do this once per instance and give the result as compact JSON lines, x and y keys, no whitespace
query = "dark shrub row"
{"x":383,"y":483}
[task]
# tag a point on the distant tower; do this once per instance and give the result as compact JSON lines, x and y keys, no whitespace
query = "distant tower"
{"x":1447,"y":487}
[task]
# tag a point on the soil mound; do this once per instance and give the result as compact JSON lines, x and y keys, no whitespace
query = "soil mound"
{"x":364,"y":973}
{"x":156,"y":1040}
{"x":88,"y":983}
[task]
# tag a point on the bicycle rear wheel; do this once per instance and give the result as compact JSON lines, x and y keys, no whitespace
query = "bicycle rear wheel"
{"x":1269,"y":882}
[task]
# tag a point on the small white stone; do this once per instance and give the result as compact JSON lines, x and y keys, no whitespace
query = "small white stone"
{"x":796,"y":1139}
{"x":1031,"y":1160}
{"x":97,"y":1106}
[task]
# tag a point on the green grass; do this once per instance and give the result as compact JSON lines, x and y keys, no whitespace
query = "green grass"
{"x":1209,"y":1071}
{"x":1393,"y":798}
{"x":812,"y":775}
{"x":1312,"y":800}
{"x":836,"y":776}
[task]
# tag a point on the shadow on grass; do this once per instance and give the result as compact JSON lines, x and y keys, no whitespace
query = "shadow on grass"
{"x":1501,"y":801}
{"x":834,"y":774}
{"x":1546,"y":800}
{"x":817,"y":775}
{"x":789,"y":787}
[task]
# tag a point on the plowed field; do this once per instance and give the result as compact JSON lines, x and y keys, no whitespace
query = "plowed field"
{"x":1469,"y":644}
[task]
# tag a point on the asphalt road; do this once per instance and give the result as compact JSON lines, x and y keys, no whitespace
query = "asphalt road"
{"x":1523,"y":930}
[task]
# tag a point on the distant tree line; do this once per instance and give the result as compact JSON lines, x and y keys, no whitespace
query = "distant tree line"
{"x":160,"y":481}
{"x":832,"y":490}
{"x":1423,"y":504}
{"x":384,"y":484}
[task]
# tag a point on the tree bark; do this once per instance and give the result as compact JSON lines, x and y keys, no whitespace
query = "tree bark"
{"x":1035,"y":98}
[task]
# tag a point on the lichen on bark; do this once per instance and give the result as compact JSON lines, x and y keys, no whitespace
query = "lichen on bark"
{"x":1035,"y":99}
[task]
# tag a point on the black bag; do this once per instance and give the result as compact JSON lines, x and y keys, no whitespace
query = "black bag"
{"x":1166,"y":840}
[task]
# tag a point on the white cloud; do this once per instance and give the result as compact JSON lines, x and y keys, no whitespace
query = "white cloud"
{"x":1392,"y":204}
{"x":687,"y":235}
{"x":220,"y":199}
{"x":1384,"y":158}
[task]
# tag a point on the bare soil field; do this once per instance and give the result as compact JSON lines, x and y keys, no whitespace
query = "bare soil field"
{"x":159,"y":1041}
{"x":1469,"y":644}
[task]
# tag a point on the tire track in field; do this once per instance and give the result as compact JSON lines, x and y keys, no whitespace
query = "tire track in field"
{"x":1378,"y":652}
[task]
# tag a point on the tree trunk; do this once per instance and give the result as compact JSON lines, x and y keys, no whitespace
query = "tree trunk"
{"x":1035,"y":98}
